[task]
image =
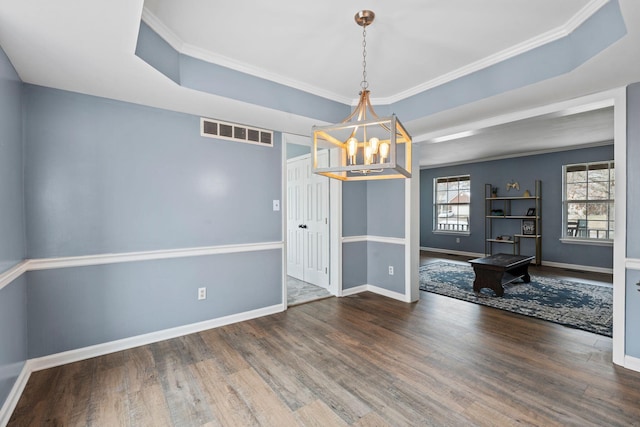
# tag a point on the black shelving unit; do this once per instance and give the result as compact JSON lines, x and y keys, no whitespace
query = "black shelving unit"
{"x":514,"y":209}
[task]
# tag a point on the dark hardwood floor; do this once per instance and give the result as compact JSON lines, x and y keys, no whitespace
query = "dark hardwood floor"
{"x":363,"y":360}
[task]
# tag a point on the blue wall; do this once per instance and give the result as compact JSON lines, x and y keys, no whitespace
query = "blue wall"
{"x":13,"y":308}
{"x":102,"y":176}
{"x":12,"y":247}
{"x":354,"y":208}
{"x":525,"y":170}
{"x":105,"y":176}
{"x":77,"y":307}
{"x":375,"y":209}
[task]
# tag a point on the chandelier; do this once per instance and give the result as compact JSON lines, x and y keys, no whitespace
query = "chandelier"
{"x":368,"y":147}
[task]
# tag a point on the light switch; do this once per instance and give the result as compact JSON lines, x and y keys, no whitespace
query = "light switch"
{"x":276,"y":205}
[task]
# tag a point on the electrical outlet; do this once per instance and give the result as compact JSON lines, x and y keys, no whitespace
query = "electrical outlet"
{"x":202,"y":293}
{"x":391,"y":270}
{"x":457,"y":240}
{"x":276,"y":205}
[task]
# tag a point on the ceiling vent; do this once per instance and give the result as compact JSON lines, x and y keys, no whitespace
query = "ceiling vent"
{"x":234,"y":132}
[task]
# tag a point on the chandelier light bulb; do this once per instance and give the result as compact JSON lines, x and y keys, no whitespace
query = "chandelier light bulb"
{"x":384,"y":151}
{"x":352,"y":149}
{"x":367,"y":154}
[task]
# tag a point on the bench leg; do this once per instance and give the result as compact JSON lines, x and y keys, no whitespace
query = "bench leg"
{"x":523,"y":271}
{"x":488,"y":279}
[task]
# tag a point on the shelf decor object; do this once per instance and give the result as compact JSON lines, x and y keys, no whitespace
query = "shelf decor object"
{"x":513,"y":184}
{"x":528,"y":227}
{"x":370,"y":147}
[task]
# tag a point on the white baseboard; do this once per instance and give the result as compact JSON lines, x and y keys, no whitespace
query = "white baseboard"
{"x":14,"y":395}
{"x":577,"y":267}
{"x":545,"y":263}
{"x":58,"y":359}
{"x":632,"y":363}
{"x":387,"y":293}
{"x":354,"y":290}
{"x":376,"y":290}
{"x":379,"y":239}
{"x":70,"y":356}
{"x":452,"y":252}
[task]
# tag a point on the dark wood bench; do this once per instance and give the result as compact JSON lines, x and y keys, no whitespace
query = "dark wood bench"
{"x":497,"y":270}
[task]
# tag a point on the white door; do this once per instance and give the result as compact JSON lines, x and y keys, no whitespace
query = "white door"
{"x":295,"y":218}
{"x":307,"y":222}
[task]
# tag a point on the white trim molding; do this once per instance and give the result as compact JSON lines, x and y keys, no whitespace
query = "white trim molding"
{"x":620,"y":234}
{"x":632,"y":363}
{"x":412,"y":229}
{"x":379,"y":239}
{"x":12,"y":399}
{"x":354,"y":290}
{"x":592,"y":242}
{"x":81,"y":261}
{"x":578,"y":267}
{"x":632,"y":263}
{"x":13,"y":273}
{"x":452,"y":252}
{"x":545,"y":263}
{"x":376,"y":290}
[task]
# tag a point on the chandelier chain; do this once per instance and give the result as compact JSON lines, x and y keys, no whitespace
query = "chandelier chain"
{"x":364,"y":84}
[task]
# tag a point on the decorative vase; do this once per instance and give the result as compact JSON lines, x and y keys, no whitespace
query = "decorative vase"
{"x":526,"y":193}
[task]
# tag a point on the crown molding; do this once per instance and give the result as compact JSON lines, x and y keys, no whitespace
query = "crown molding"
{"x":163,"y":31}
{"x":550,"y":36}
{"x":206,"y":55}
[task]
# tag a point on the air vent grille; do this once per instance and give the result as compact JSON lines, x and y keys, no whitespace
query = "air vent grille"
{"x":216,"y":129}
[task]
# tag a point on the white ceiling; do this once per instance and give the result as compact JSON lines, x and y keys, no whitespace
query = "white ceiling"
{"x":319,"y":46}
{"x":88,"y":47}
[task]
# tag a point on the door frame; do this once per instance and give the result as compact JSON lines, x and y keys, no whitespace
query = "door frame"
{"x":335,"y":222}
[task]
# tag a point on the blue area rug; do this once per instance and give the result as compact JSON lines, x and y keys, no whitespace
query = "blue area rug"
{"x":578,"y":305}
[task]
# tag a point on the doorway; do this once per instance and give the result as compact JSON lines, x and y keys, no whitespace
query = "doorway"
{"x":307,"y":231}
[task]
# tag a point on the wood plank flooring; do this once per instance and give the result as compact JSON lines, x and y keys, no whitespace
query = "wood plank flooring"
{"x":363,"y":360}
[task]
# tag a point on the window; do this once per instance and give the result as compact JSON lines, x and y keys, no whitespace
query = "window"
{"x":451,"y":204}
{"x":588,"y":201}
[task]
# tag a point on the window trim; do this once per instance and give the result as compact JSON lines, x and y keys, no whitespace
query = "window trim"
{"x":434,"y":225}
{"x":564,"y":237}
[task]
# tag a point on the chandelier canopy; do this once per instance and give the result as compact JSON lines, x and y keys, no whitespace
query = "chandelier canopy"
{"x":363,"y":146}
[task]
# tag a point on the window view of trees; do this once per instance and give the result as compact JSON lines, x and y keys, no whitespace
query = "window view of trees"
{"x":452,"y":200}
{"x":589,"y":200}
